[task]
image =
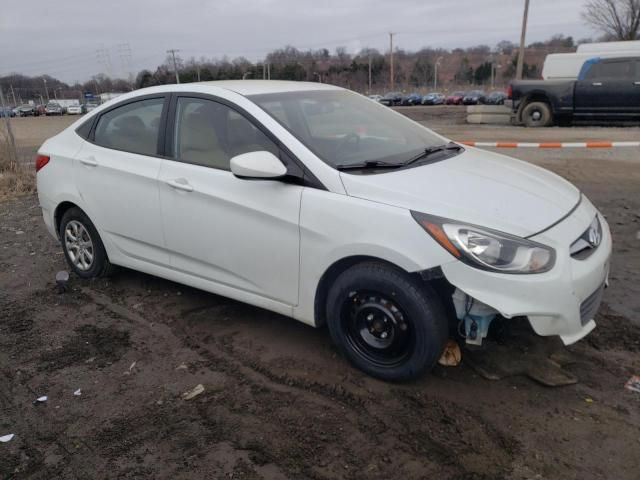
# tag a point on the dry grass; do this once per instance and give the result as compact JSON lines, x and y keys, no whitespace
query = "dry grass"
{"x":20,"y":182}
{"x":15,"y":179}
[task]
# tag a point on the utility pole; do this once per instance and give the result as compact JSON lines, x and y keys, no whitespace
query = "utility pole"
{"x":369,"y":74}
{"x":523,"y":34}
{"x":13,"y":156}
{"x":392,"y":81}
{"x":268,"y":71}
{"x":264,"y":71}
{"x":198,"y":70}
{"x":173,"y":52}
{"x":46,"y":90}
{"x":13,"y":94}
{"x":435,"y":73}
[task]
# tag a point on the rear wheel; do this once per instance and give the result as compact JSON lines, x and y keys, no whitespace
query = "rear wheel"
{"x":82,"y":245}
{"x":387,"y":323}
{"x":537,"y":114}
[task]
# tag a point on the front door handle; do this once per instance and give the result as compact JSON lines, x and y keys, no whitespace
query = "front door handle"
{"x":89,"y":161}
{"x":597,"y":84}
{"x":180,"y":184}
{"x":636,"y":83}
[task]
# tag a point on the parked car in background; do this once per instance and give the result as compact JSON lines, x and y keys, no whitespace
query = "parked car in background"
{"x":606,"y":89}
{"x":373,"y":225}
{"x":89,"y":106}
{"x":40,"y":109}
{"x":74,"y":110}
{"x":411,"y":99}
{"x":496,"y":98}
{"x":7,"y":112}
{"x":26,"y":110}
{"x":392,"y":98}
{"x":53,"y":108}
{"x":454,"y":98}
{"x":375,"y":98}
{"x":474,"y":97}
{"x":433,"y":98}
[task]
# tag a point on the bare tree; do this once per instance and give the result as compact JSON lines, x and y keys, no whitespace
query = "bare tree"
{"x":617,"y":19}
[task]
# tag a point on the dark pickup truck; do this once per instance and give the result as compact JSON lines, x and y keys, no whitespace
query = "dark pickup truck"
{"x":606,"y":89}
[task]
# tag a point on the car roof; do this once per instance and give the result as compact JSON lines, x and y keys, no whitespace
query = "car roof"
{"x":242,"y":87}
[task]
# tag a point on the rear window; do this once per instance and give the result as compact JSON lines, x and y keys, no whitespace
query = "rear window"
{"x":133,"y":127}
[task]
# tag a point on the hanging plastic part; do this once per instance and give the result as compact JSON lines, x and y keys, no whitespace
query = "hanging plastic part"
{"x":476,"y":316}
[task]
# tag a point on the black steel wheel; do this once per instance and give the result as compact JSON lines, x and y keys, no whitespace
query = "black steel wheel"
{"x":377,"y":328}
{"x":386,"y":322}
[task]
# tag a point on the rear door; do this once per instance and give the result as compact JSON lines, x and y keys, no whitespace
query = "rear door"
{"x":607,"y":88}
{"x":117,"y":177}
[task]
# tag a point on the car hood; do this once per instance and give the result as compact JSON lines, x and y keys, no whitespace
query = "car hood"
{"x":477,"y":187}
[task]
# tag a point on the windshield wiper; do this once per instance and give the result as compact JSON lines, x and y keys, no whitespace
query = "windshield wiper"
{"x":427,"y":152}
{"x":371,"y":164}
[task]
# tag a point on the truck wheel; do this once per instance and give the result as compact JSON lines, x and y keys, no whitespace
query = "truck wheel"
{"x":537,"y":114}
{"x":386,"y":322}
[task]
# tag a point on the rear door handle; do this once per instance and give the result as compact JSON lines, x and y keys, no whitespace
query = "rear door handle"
{"x":89,"y":161}
{"x":180,"y":184}
{"x":597,"y":84}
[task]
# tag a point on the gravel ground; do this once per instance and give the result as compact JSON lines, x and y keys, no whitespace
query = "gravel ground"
{"x":278,"y":400}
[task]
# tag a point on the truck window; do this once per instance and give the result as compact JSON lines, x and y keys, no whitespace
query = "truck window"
{"x":611,"y":70}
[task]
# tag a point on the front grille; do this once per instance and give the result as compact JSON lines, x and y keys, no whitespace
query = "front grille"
{"x":589,"y":307}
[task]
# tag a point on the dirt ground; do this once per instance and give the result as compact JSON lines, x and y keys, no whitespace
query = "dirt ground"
{"x":278,"y":400}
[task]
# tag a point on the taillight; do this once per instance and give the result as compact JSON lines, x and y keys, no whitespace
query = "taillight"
{"x":41,"y":161}
{"x":510,"y":92}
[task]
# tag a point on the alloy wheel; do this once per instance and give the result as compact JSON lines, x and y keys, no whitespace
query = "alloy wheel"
{"x":79,"y":245}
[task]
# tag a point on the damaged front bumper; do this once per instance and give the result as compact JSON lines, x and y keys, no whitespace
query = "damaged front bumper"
{"x":560,"y":302}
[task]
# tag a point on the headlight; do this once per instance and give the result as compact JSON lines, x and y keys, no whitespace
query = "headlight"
{"x":488,"y":249}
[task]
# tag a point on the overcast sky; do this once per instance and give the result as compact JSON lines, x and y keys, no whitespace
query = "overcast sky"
{"x":62,"y":38}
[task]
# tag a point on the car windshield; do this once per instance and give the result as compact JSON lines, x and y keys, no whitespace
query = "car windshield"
{"x":343,"y":128}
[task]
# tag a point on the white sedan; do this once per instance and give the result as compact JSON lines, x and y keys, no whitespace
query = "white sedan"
{"x":74,"y":110}
{"x":314,"y":202}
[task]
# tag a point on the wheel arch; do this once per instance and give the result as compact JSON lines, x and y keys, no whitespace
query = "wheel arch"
{"x":433,"y":277}
{"x":59,"y":212}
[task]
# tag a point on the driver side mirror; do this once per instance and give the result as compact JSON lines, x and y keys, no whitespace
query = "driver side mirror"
{"x":257,"y":165}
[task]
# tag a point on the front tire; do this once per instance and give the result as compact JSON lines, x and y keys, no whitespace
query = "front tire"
{"x":82,"y":246}
{"x":537,"y":114}
{"x":387,"y":323}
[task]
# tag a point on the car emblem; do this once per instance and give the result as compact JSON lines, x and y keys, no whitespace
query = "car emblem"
{"x":594,"y":236}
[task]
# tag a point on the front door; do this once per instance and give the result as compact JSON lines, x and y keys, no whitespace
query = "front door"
{"x":242,"y":234}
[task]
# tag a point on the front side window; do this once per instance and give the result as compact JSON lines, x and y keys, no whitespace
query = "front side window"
{"x":134,"y":127}
{"x":209,"y":133}
{"x":344,"y":128}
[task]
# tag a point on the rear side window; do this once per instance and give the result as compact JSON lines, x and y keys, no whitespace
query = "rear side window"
{"x":611,"y":70}
{"x":134,"y":127}
{"x":209,"y":133}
